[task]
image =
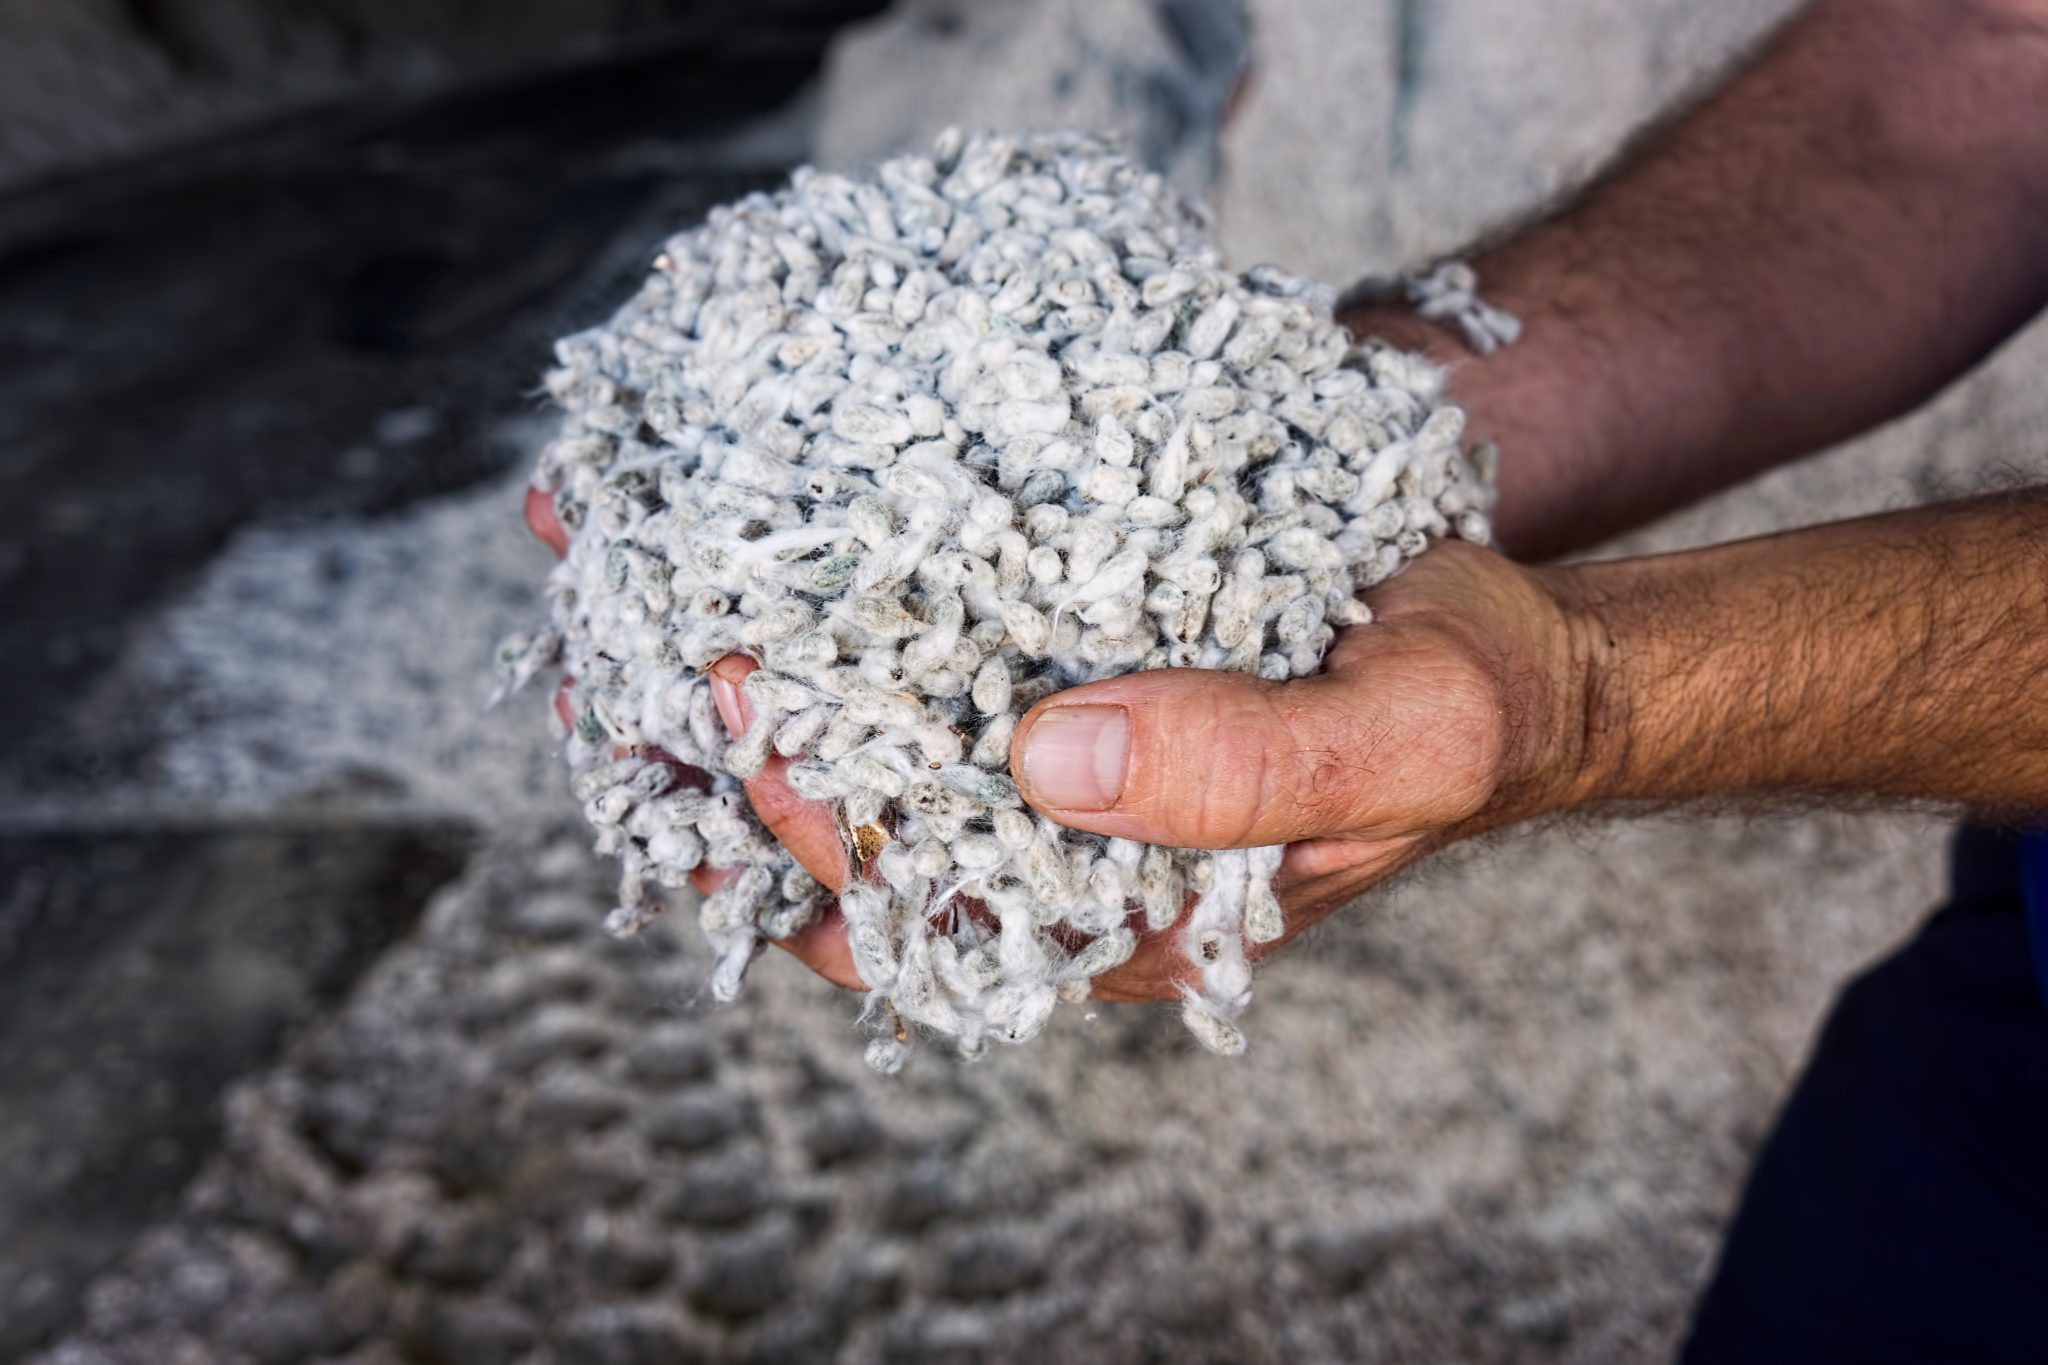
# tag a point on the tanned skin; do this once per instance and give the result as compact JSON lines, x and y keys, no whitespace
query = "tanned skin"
{"x":1901,"y":657}
{"x":1895,"y":658}
{"x":1849,"y":224}
{"x":1843,"y":228}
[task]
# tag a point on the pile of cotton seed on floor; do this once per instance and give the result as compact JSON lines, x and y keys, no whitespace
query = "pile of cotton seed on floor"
{"x":930,"y":446}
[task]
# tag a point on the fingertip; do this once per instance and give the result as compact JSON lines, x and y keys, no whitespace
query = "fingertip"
{"x":822,"y":947}
{"x":1158,"y":969}
{"x":733,"y":707}
{"x":708,"y":879}
{"x":545,"y":525}
{"x":805,"y":827}
{"x":734,"y":668}
{"x":1312,"y":859}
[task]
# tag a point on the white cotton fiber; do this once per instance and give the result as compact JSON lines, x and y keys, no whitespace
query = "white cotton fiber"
{"x":931,"y":446}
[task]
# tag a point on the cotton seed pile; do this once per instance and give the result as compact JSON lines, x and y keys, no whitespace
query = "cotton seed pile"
{"x":931,"y":446}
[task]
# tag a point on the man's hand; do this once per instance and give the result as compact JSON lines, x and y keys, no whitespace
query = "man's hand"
{"x":1897,"y":657}
{"x":805,"y":827}
{"x":1450,"y":713}
{"x":1454,"y":711}
{"x":1729,"y":298}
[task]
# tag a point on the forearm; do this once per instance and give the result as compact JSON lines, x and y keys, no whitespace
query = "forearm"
{"x":1845,"y":227}
{"x":1900,"y":657}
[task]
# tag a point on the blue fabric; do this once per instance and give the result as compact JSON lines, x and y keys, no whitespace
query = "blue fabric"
{"x":1899,"y":1211}
{"x":2034,"y":883}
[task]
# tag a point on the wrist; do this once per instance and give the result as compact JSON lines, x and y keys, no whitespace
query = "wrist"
{"x":1555,"y":668}
{"x":1661,"y":669}
{"x":1381,"y":319}
{"x":1551,"y":403}
{"x":1594,"y":708}
{"x":1582,"y":739}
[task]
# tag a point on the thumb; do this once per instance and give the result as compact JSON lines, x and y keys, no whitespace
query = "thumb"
{"x":1198,"y":759}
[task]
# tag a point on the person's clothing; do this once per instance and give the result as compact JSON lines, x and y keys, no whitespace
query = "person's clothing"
{"x":1899,"y":1211}
{"x":2034,"y":885}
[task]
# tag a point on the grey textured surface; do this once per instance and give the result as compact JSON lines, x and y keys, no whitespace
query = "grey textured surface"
{"x":144,"y":972}
{"x":521,"y":1142}
{"x":1495,"y":1113}
{"x":307,"y":327}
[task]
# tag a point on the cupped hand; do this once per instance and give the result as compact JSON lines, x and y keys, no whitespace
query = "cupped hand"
{"x":1454,"y":711}
{"x":806,"y":828}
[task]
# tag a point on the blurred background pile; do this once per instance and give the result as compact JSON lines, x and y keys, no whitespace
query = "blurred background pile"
{"x":309,"y":1046}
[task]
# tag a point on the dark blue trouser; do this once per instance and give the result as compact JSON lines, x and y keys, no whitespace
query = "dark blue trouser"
{"x":1900,"y":1210}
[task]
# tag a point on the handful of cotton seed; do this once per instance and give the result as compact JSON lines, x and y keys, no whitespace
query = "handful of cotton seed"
{"x":931,"y":446}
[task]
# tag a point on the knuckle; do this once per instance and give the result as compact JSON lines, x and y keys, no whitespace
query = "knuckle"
{"x":1468,"y":729}
{"x":1252,"y":760}
{"x":1332,"y":756}
{"x":1210,"y":768}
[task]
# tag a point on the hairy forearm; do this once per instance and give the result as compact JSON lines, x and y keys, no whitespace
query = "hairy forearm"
{"x":1846,"y":226}
{"x":1902,"y":657}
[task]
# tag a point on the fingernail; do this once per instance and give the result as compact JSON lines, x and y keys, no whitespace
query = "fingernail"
{"x":545,"y":525}
{"x":732,"y":707}
{"x":1074,"y":757}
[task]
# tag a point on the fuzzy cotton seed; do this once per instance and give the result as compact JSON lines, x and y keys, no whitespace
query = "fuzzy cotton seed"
{"x":932,"y":445}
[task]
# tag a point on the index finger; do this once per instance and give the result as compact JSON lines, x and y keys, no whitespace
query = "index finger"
{"x":545,"y":525}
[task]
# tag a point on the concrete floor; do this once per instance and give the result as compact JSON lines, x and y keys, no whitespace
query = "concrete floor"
{"x":1495,"y":1113}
